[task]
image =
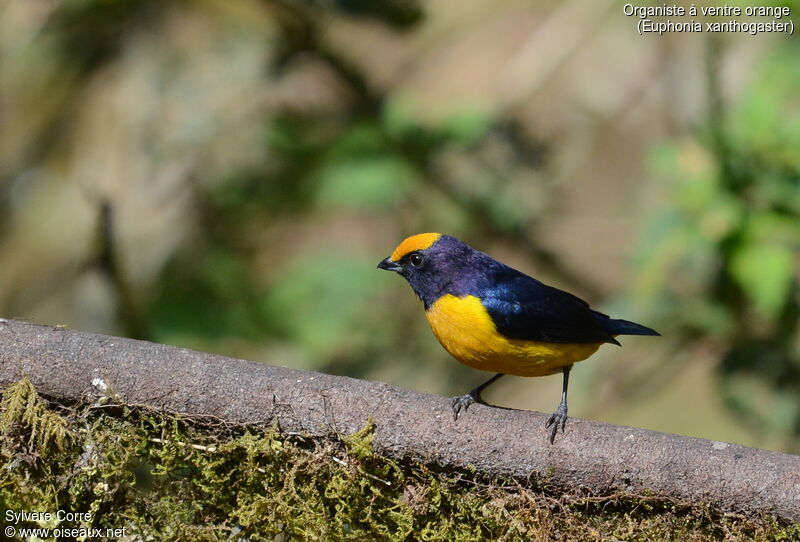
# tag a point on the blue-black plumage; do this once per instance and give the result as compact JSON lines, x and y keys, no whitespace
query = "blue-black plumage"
{"x":492,"y":317}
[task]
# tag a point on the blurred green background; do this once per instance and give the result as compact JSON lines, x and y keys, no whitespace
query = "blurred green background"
{"x":225,"y":176}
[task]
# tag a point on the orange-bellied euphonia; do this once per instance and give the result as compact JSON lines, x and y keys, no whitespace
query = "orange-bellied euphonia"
{"x":495,"y":318}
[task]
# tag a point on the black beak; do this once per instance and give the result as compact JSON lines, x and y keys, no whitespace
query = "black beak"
{"x":389,"y":265}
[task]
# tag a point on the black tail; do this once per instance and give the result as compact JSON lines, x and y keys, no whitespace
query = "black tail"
{"x":624,"y":327}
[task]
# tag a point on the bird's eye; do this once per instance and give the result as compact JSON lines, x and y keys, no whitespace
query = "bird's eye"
{"x":416,"y":260}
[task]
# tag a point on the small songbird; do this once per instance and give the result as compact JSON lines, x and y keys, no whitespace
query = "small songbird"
{"x":494,"y":318}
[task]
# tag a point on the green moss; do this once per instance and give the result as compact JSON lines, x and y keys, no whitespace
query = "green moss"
{"x":359,"y":444}
{"x":24,"y":412}
{"x":168,"y":478}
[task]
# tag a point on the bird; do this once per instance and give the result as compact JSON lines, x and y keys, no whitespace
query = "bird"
{"x":491,"y":317}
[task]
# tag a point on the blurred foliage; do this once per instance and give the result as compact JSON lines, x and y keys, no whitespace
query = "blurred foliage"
{"x":225,"y":175}
{"x":721,"y":261}
{"x":364,"y":153}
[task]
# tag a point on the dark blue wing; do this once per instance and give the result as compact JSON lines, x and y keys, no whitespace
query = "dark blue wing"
{"x":524,"y":308}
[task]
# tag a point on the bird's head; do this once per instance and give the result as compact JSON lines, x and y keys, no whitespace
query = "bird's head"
{"x":430,"y":262}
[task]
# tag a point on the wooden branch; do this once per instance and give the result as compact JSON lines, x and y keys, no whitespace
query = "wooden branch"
{"x":590,"y":458}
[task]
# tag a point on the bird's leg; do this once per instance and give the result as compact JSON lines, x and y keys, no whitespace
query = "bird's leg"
{"x":463,"y":401}
{"x":560,"y":415}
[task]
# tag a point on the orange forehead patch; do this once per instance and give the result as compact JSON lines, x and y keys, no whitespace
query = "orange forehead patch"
{"x":420,"y":241}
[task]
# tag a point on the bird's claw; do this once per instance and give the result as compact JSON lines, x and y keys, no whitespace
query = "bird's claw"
{"x":462,"y":402}
{"x":559,"y":417}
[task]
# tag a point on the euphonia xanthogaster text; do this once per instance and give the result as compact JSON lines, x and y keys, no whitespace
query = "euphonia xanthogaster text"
{"x":495,"y":318}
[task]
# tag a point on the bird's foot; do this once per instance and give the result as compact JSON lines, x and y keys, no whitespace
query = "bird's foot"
{"x":462,"y":402}
{"x":559,"y":417}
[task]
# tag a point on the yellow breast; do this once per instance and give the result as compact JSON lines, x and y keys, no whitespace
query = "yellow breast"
{"x":466,"y":330}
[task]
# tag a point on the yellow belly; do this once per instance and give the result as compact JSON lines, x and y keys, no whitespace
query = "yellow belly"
{"x":467,"y":332}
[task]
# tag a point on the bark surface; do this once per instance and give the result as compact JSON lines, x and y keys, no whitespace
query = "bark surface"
{"x":590,"y":458}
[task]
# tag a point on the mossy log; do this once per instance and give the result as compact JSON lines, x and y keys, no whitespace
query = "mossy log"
{"x":591,"y":458}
